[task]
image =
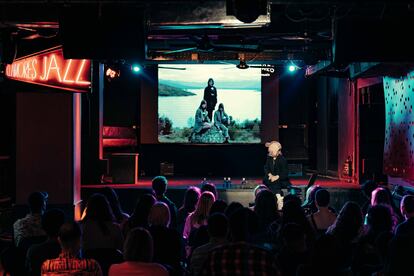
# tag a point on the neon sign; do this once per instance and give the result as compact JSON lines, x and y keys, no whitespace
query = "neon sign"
{"x":49,"y":68}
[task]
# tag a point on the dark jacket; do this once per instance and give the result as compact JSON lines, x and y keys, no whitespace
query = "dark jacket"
{"x":210,"y":96}
{"x":279,"y":167}
{"x":220,"y":118}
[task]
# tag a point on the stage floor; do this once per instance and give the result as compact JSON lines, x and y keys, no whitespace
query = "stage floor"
{"x":182,"y":183}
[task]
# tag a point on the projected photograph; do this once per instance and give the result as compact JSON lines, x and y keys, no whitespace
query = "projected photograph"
{"x":216,"y":103}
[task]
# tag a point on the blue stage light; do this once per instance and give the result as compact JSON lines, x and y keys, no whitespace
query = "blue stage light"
{"x":292,"y":68}
{"x":136,"y":68}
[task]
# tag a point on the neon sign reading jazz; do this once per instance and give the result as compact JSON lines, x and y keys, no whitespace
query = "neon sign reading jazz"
{"x":49,"y":68}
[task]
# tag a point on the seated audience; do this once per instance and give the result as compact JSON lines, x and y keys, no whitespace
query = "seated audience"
{"x":30,"y":226}
{"x":210,"y":187}
{"x":140,"y":216}
{"x":309,"y":204}
{"x":217,"y":231}
{"x":383,"y":196}
{"x":240,"y":257}
{"x":292,"y":212}
{"x":346,"y":230}
{"x":52,"y":220}
{"x":269,"y":219}
{"x":138,"y":255}
{"x":322,"y":219}
{"x":68,"y":262}
{"x":406,"y":228}
{"x":200,"y":214}
{"x":120,"y":216}
{"x":294,"y":251}
{"x":219,"y":206}
{"x":167,"y":241}
{"x":232,"y":207}
{"x":324,"y":259}
{"x":368,"y":258}
{"x":99,"y":229}
{"x":191,"y":196}
{"x":159,"y":188}
{"x":367,"y":188}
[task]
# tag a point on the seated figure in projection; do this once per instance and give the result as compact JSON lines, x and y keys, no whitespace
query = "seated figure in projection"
{"x":203,"y":132}
{"x":222,"y":121}
{"x":202,"y":121}
{"x":276,"y":168}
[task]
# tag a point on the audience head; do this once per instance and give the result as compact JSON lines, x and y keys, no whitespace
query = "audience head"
{"x":292,"y":212}
{"x":259,"y":188}
{"x":291,"y":197}
{"x":379,"y":219}
{"x":159,"y":215}
{"x":368,"y":187}
{"x":293,"y":237}
{"x":310,"y":196}
{"x":407,"y":206}
{"x":98,"y":209}
{"x":113,"y":201}
{"x":209,"y":187}
{"x":232,"y":207}
{"x":322,"y":198}
{"x":348,"y":223}
{"x":381,"y":196}
{"x":70,"y":237}
{"x":203,"y":207}
{"x":138,"y":246}
{"x":243,"y":225}
{"x":37,"y":202}
{"x":142,"y":210}
{"x":52,"y":220}
{"x":191,"y":196}
{"x":218,"y":226}
{"x":219,"y":206}
{"x":266,"y":208}
{"x":159,"y":185}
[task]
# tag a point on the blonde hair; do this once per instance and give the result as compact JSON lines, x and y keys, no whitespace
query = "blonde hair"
{"x":203,"y":207}
{"x":159,"y":214}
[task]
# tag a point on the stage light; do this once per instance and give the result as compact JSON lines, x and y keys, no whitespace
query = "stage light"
{"x":135,"y":68}
{"x":292,"y":68}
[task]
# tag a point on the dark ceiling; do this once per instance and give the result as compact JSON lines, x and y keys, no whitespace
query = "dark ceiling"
{"x":202,"y":31}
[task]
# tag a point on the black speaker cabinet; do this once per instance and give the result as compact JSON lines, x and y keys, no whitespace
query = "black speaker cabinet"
{"x":124,"y":168}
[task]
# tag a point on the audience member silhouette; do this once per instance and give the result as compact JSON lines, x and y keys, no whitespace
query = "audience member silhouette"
{"x":99,"y":229}
{"x":68,"y":262}
{"x":140,"y":216}
{"x":232,"y":207}
{"x":191,"y":196}
{"x":209,"y":187}
{"x":52,"y":220}
{"x":217,"y":231}
{"x":219,"y":206}
{"x":323,"y":218}
{"x":167,"y":241}
{"x":159,"y":187}
{"x":200,"y":214}
{"x":138,"y":255}
{"x":120,"y":216}
{"x":266,"y":209}
{"x":406,"y":228}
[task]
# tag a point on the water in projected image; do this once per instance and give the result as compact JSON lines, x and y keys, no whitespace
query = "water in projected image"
{"x":181,"y":91}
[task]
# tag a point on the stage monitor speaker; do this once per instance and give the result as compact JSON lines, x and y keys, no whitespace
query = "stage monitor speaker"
{"x":373,"y":40}
{"x":104,"y":31}
{"x":124,"y":168}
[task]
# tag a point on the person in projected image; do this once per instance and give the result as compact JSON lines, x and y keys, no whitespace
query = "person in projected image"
{"x":210,"y":96}
{"x":202,"y":121}
{"x":221,"y":121}
{"x":276,"y":168}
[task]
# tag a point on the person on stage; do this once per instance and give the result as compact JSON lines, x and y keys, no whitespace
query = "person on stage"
{"x":276,"y":168}
{"x":210,"y":96}
{"x":221,"y":121}
{"x":202,"y":121}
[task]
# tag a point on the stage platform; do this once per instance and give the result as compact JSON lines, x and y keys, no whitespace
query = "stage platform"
{"x":129,"y":193}
{"x":183,"y":183}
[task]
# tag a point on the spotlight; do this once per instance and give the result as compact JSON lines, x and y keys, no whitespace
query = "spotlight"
{"x":136,"y":68}
{"x":292,"y":68}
